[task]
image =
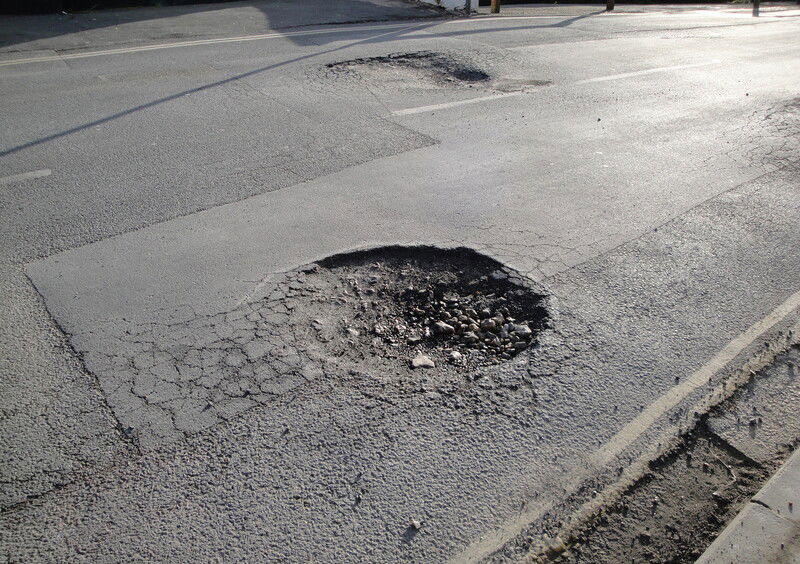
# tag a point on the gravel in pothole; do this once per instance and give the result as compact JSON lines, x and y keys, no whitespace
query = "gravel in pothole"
{"x":425,"y":308}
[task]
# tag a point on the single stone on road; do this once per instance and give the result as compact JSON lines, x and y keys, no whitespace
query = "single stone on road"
{"x":470,"y":338}
{"x":454,"y":356}
{"x":442,"y":328}
{"x":422,"y":361}
{"x":522,"y":331}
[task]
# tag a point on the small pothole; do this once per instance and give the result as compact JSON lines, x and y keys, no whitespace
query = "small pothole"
{"x":426,"y":307}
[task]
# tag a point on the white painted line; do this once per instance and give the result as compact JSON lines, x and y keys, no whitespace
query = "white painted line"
{"x":600,"y":458}
{"x":698,"y":379}
{"x":423,"y":109}
{"x":542,"y":17}
{"x":245,"y":38}
{"x":647,"y":71}
{"x":434,"y":107}
{"x":218,"y":40}
{"x":278,"y":35}
{"x":25,"y":176}
{"x":741,"y":13}
{"x":263,"y":36}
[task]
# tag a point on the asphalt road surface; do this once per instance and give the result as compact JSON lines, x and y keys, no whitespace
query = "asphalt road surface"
{"x":160,"y":168}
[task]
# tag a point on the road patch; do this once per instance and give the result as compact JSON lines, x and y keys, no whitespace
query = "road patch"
{"x":432,"y":327}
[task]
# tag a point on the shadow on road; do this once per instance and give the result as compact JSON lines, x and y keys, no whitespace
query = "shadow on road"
{"x":388,"y":36}
{"x":211,"y":19}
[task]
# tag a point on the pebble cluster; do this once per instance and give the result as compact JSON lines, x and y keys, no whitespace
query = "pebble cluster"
{"x":475,"y":321}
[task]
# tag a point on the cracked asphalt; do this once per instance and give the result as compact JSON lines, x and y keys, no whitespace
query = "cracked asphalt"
{"x":642,"y":167}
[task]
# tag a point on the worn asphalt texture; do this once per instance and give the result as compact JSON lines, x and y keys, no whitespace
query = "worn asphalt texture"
{"x":641,"y":166}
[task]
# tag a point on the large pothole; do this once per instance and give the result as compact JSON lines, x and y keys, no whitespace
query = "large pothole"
{"x":425,"y":308}
{"x":402,"y":327}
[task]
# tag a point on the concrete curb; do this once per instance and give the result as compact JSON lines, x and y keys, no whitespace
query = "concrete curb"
{"x":767,"y":529}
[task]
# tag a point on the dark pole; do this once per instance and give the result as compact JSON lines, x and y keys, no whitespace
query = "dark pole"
{"x":495,"y":6}
{"x":755,"y":8}
{"x":609,"y":5}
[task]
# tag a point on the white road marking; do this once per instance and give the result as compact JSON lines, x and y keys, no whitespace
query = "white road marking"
{"x":238,"y":39}
{"x":494,"y":540}
{"x":542,"y":17}
{"x":245,"y":38}
{"x":423,"y":109}
{"x":445,"y":105}
{"x":698,"y":379}
{"x":25,"y":176}
{"x":278,"y":35}
{"x":647,"y":71}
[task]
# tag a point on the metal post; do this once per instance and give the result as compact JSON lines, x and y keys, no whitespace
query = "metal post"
{"x":755,"y":7}
{"x":609,"y":5}
{"x":495,"y":6}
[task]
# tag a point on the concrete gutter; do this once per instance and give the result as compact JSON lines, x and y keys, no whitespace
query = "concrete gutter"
{"x":767,"y":530}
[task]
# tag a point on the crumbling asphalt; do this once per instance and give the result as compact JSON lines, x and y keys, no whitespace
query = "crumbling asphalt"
{"x":166,"y":380}
{"x":662,"y":223}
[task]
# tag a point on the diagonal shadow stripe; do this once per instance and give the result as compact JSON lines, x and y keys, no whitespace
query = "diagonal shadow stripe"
{"x":42,"y":140}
